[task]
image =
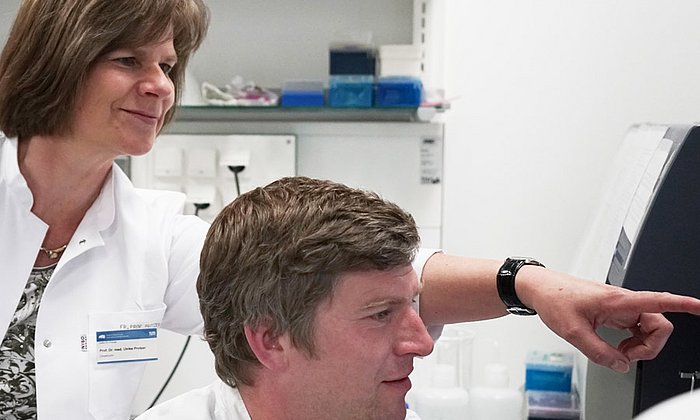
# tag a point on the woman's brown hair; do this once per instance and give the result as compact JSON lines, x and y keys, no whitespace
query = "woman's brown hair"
{"x":53,"y":43}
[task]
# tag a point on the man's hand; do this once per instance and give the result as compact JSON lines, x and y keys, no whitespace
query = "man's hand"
{"x":574,"y":308}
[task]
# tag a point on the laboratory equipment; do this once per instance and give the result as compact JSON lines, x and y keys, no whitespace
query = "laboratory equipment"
{"x":351,"y":74}
{"x":444,"y":399}
{"x":347,"y":58}
{"x":645,"y":237}
{"x":555,"y":405}
{"x":214,"y":168}
{"x":302,"y":93}
{"x":495,"y":399}
{"x":400,"y":60}
{"x":440,"y":381}
{"x":545,"y":371}
{"x":351,"y":91}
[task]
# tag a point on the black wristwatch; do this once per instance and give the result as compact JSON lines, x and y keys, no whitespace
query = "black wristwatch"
{"x":505,"y":283}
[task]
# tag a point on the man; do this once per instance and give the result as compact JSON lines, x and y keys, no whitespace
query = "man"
{"x":309,"y":303}
{"x":307,"y":294}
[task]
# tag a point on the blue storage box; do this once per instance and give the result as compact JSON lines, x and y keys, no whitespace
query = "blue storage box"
{"x":351,"y":91}
{"x":398,"y":92}
{"x":302,"y":94}
{"x":548,"y":371}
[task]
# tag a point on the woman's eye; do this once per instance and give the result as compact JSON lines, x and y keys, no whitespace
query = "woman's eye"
{"x":167,"y":68}
{"x":126,"y":61}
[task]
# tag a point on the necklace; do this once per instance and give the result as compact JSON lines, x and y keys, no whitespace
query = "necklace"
{"x":54,"y":253}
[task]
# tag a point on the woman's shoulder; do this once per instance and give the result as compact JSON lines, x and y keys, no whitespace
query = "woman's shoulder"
{"x":173,"y":201}
{"x":153,"y":211}
{"x":159,"y":201}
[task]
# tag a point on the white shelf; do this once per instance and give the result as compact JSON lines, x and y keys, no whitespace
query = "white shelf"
{"x":324,"y":114}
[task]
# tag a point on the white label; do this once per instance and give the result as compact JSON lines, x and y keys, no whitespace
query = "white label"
{"x":129,"y":345}
{"x":431,"y":161}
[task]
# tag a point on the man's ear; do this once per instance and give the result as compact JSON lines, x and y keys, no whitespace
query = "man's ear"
{"x":267,"y":346}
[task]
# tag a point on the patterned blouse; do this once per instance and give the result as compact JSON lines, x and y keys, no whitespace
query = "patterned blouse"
{"x":17,"y":373}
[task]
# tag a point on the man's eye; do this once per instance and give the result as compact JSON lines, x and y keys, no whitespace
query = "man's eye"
{"x":381,"y":316}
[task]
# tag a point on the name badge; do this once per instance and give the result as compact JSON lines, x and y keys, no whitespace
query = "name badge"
{"x":125,"y":346}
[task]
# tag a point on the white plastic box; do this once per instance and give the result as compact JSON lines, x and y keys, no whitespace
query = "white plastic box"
{"x":400,"y":60}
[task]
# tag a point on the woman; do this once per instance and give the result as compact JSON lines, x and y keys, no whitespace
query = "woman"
{"x":82,"y":82}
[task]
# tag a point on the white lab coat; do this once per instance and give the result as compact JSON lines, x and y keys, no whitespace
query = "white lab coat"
{"x":216,"y":401}
{"x":133,"y":259}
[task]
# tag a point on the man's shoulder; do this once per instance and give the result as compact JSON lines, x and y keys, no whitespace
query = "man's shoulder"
{"x":197,"y":404}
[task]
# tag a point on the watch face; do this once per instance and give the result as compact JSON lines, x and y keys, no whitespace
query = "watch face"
{"x":525,"y":260}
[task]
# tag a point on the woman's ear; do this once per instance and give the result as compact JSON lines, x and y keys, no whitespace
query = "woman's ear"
{"x":268,"y":347}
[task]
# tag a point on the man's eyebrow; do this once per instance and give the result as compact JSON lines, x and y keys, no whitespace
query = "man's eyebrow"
{"x":389,"y":301}
{"x":383,"y":302}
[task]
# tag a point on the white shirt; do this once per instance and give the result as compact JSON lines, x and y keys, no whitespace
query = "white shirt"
{"x":133,"y":260}
{"x":216,"y":401}
{"x":683,"y":406}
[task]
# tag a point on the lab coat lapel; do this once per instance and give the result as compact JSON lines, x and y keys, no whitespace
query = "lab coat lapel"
{"x":98,"y":218}
{"x":18,"y":222}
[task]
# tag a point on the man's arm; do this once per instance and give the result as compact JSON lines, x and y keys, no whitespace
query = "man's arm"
{"x":457,"y":289}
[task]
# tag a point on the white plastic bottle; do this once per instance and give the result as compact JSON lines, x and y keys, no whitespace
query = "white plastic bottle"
{"x":494,"y":399}
{"x":444,"y":400}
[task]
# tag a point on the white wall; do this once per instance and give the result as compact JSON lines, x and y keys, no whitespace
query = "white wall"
{"x":546,"y":92}
{"x":274,"y":40}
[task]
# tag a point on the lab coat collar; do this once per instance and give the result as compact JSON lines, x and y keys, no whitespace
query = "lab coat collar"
{"x":11,"y":176}
{"x":98,"y":218}
{"x":100,"y":215}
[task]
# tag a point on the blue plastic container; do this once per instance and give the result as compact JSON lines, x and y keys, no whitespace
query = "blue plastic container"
{"x":398,"y":92}
{"x":548,"y":371}
{"x":302,"y":94}
{"x":351,"y":91}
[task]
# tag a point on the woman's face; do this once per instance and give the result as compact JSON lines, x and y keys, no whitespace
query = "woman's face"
{"x":123,"y":104}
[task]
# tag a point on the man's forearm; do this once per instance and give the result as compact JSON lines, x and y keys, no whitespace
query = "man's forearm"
{"x":459,"y":289}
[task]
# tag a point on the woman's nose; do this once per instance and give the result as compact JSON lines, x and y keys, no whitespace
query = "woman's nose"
{"x":156,"y":83}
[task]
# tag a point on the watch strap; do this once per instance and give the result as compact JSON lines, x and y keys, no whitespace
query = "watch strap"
{"x":505,"y":283}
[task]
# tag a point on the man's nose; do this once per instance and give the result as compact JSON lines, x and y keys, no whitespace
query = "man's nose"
{"x":414,"y":338}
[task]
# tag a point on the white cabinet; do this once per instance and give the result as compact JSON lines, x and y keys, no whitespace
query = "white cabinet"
{"x":402,"y":161}
{"x":198,"y":165}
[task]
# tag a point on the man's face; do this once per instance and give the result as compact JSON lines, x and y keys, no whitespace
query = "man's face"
{"x":366,"y":337}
